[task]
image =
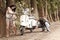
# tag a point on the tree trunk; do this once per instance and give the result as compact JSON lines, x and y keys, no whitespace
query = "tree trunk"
{"x":2,"y":19}
{"x":41,"y":8}
{"x":42,"y":11}
{"x":50,"y":16}
{"x":46,"y":12}
{"x":35,"y":11}
{"x":28,"y":3}
{"x":9,"y":2}
{"x":57,"y":15}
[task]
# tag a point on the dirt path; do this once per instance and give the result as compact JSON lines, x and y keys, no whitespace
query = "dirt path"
{"x":37,"y":35}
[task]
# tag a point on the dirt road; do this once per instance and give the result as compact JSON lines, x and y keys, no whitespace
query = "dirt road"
{"x":54,"y":34}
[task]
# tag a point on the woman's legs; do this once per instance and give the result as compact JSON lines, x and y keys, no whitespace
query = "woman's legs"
{"x":14,"y":28}
{"x":7,"y":28}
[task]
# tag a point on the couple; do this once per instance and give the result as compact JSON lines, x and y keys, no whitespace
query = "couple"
{"x":10,"y":19}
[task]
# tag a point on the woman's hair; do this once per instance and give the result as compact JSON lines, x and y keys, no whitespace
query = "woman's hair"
{"x":13,"y":7}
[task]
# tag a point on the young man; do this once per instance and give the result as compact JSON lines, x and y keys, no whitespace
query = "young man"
{"x":44,"y":24}
{"x":47,"y":24}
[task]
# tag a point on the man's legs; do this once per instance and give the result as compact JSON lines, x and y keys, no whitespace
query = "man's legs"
{"x":47,"y":28}
{"x":43,"y":28}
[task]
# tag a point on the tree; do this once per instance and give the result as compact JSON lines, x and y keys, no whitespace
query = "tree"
{"x":35,"y":11}
{"x":10,"y":2}
{"x":41,"y":8}
{"x":2,"y":18}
